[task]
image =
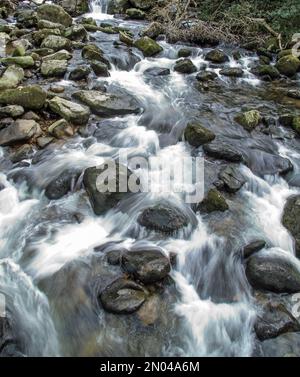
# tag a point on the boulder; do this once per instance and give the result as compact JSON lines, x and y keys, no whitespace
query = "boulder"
{"x":56,"y":43}
{"x":101,"y":197}
{"x":61,"y":129}
{"x":223,"y":150}
{"x":291,"y":220}
{"x":148,"y":46}
{"x":273,"y":273}
{"x":11,"y":78}
{"x":80,"y":73}
{"x":248,"y":120}
{"x":54,"y":13}
{"x":206,"y":76}
{"x":100,"y":69}
{"x":93,"y":52}
{"x":22,"y":61}
{"x":253,"y":247}
{"x":62,"y":184}
{"x":156,"y":71}
{"x":267,"y":71}
{"x":13,"y":111}
{"x":214,"y":201}
{"x":232,"y":72}
{"x":216,"y":56}
{"x":147,"y":266}
{"x":163,"y":218}
{"x":232,"y":179}
{"x":71,"y":111}
{"x":123,"y":297}
{"x":185,"y":66}
{"x":76,"y":33}
{"x":197,"y":135}
{"x":30,"y":97}
{"x":40,"y":35}
{"x":184,"y":53}
{"x":105,"y":104}
{"x":288,"y":65}
{"x":21,"y":130}
{"x":54,"y":68}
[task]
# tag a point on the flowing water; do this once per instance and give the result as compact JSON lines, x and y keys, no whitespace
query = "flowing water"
{"x":39,"y":239}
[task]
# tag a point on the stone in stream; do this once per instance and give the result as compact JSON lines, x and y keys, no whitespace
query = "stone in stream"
{"x":288,"y":65}
{"x":275,"y":273}
{"x":232,"y":72}
{"x":157,"y":71}
{"x":286,"y":345}
{"x":291,"y":220}
{"x":253,"y":247}
{"x":10,"y":345}
{"x":268,"y":71}
{"x":100,"y":69}
{"x":60,"y":129}
{"x":22,"y":153}
{"x":59,"y":55}
{"x":248,"y":120}
{"x":76,"y":33}
{"x":13,"y":111}
{"x":148,"y":46}
{"x":70,"y":111}
{"x":92,"y":52}
{"x":80,"y":73}
{"x":184,"y":53}
{"x":214,"y":201}
{"x":206,"y":76}
{"x":153,"y":30}
{"x":232,"y":179}
{"x":21,"y":130}
{"x":126,"y":38}
{"x":123,"y":296}
{"x":293,"y":93}
{"x":274,"y":321}
{"x":62,"y":184}
{"x":223,"y":150}
{"x":44,"y":141}
{"x":163,"y":218}
{"x":40,"y":35}
{"x":185,"y":66}
{"x":22,"y":61}
{"x":147,"y":266}
{"x":106,"y":104}
{"x":56,"y":43}
{"x":54,"y":13}
{"x":54,"y":68}
{"x":197,"y":135}
{"x":11,"y":78}
{"x":30,"y":97}
{"x":216,"y":56}
{"x":100,"y":197}
{"x":135,"y":14}
{"x":44,"y":24}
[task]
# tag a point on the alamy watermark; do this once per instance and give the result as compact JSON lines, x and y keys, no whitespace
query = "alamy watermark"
{"x":179,"y":175}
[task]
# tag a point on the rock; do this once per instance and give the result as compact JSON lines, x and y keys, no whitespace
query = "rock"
{"x":100,"y":69}
{"x":142,"y":4}
{"x":253,"y":248}
{"x":12,"y":111}
{"x":286,"y":120}
{"x":75,"y":7}
{"x":248,"y":120}
{"x":273,"y":273}
{"x":293,"y":93}
{"x":263,"y":163}
{"x":57,"y":89}
{"x":197,"y":135}
{"x":30,"y":97}
{"x":185,"y":66}
{"x":62,"y":184}
{"x":76,"y":33}
{"x":232,"y":179}
{"x":153,"y":30}
{"x":135,"y":14}
{"x":123,"y":297}
{"x":126,"y":38}
{"x":21,"y":130}
{"x":40,"y":35}
{"x":214,"y":201}
{"x":44,"y":24}
{"x":93,"y":52}
{"x":54,"y":68}
{"x":232,"y":72}
{"x":286,"y":345}
{"x":156,"y":71}
{"x":288,"y":65}
{"x":11,"y":78}
{"x":22,"y":61}
{"x":147,"y":266}
{"x":206,"y":76}
{"x":42,"y":142}
{"x":101,"y":199}
{"x":216,"y":56}
{"x":105,"y":104}
{"x":291,"y":220}
{"x":54,"y":13}
{"x":23,"y":153}
{"x":80,"y":73}
{"x":296,"y":124}
{"x":56,"y":43}
{"x":162,"y":218}
{"x":148,"y":46}
{"x":59,"y":55}
{"x":274,"y":321}
{"x":61,"y":129}
{"x":71,"y":111}
{"x":184,"y":53}
{"x":267,"y":71}
{"x":223,"y":150}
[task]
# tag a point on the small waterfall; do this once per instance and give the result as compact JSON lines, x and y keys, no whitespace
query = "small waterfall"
{"x":99,"y":6}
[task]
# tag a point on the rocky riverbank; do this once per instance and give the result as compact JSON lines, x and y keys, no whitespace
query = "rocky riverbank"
{"x":66,"y":104}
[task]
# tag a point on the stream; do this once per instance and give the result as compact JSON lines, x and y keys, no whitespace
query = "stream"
{"x":52,"y":253}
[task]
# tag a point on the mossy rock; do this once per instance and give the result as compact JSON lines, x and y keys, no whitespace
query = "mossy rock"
{"x":135,"y":14}
{"x":268,"y":70}
{"x":296,"y":124}
{"x":249,"y":119}
{"x":22,"y":61}
{"x":197,"y":135}
{"x":288,"y":65}
{"x":54,"y":13}
{"x":148,"y":46}
{"x":30,"y":97}
{"x":214,"y":201}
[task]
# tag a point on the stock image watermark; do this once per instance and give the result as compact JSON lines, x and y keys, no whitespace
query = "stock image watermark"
{"x":183,"y":176}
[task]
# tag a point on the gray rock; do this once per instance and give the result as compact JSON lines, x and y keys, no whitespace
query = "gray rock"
{"x":80,"y":73}
{"x":11,"y":78}
{"x":253,"y":247}
{"x":232,"y":72}
{"x":291,"y":220}
{"x":54,"y":68}
{"x":223,"y":150}
{"x":56,"y":43}
{"x":185,"y":66}
{"x":71,"y":111}
{"x":21,"y":130}
{"x":13,"y":111}
{"x":62,"y":184}
{"x":232,"y":179}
